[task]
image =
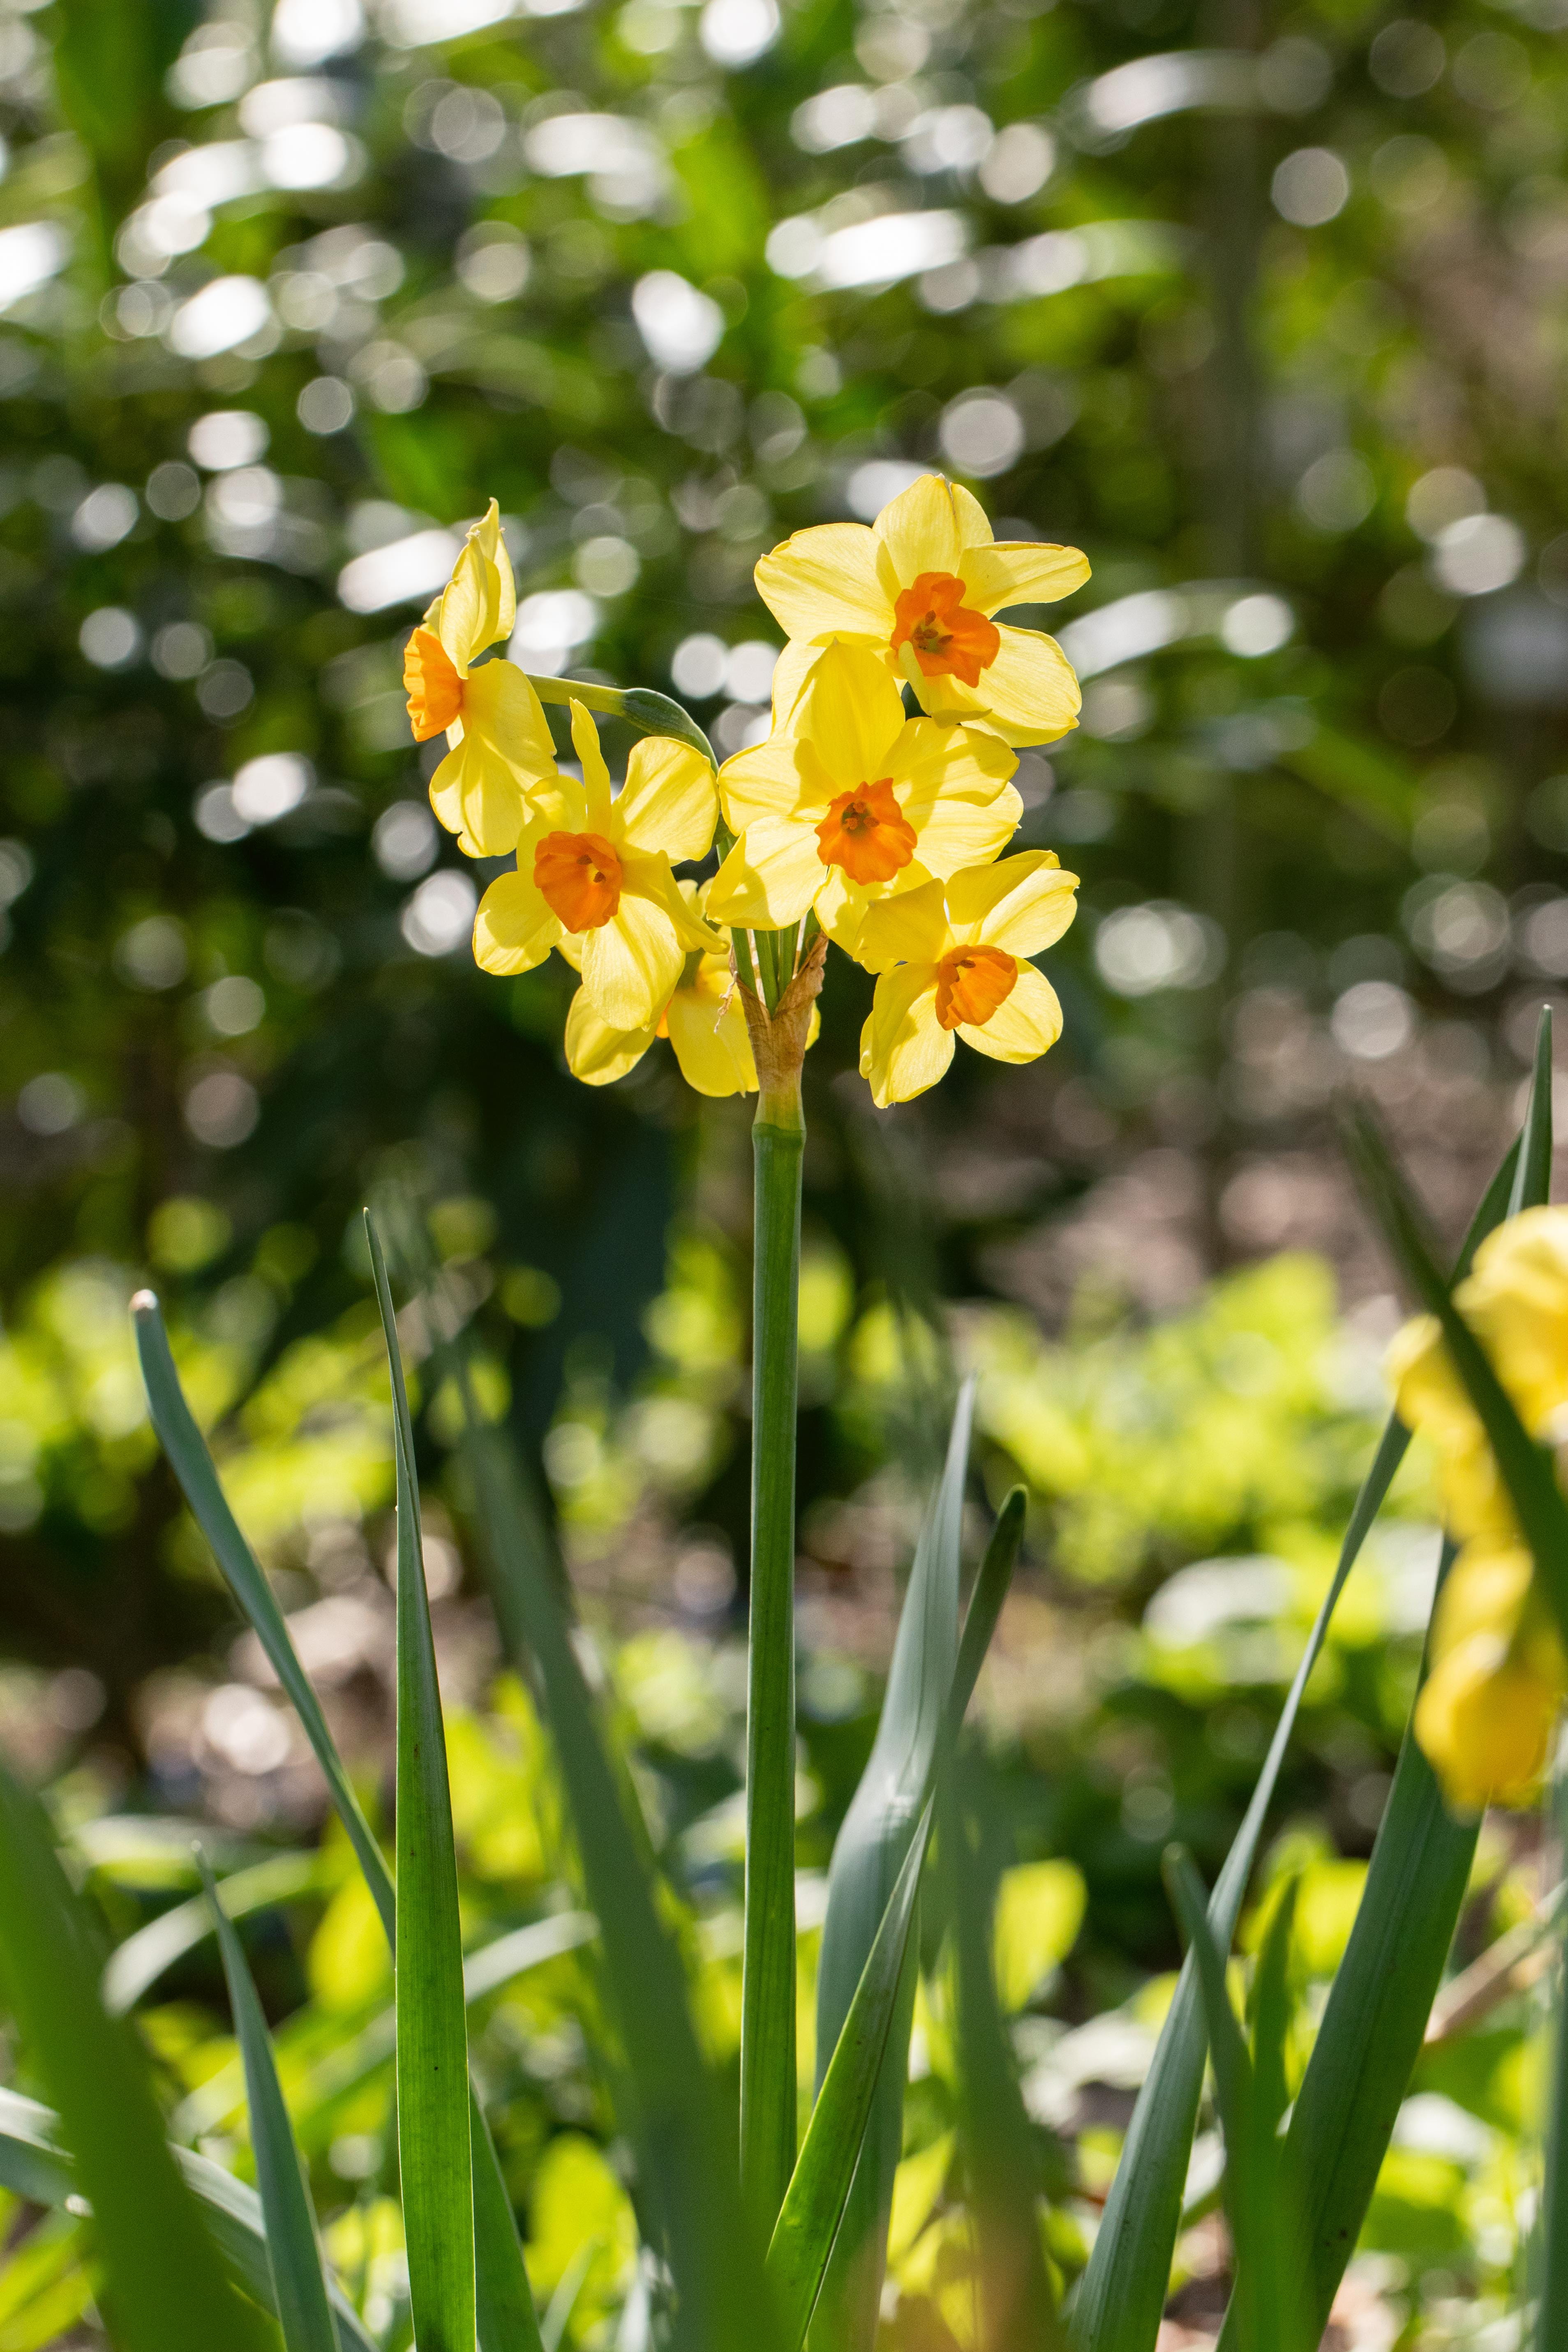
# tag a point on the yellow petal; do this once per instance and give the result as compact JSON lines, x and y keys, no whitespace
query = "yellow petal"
{"x":934,"y":756}
{"x":646,"y":875}
{"x":487,"y":532}
{"x":503,"y":764}
{"x":904,"y":1048}
{"x":794,"y":667}
{"x":1485,"y":1723}
{"x":712,"y":1048}
{"x":822,"y":583}
{"x":479,"y":602}
{"x":1485,"y":1592}
{"x":670,"y":801}
{"x":962,"y":817}
{"x":632,"y":964}
{"x":767,"y":779}
{"x":920,"y":531}
{"x":514,"y":930}
{"x":1024,"y":1026}
{"x":596,"y":1053}
{"x":770,"y":877}
{"x":1018,"y":572}
{"x":850,"y":713}
{"x":595,"y":775}
{"x":1516,"y":1300}
{"x":910,"y":929}
{"x":1022,"y":904}
{"x":974,"y":522}
{"x":841,"y":907}
{"x":1028,"y":695}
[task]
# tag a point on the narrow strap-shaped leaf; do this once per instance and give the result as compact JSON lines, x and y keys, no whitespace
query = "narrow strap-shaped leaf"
{"x":135,"y":1965}
{"x":1382,"y":1995}
{"x":687,"y":2160}
{"x":1532,"y":1171}
{"x":1271,"y":2010}
{"x":808,"y":2220}
{"x":507,"y":2319}
{"x":1552,"y":2315}
{"x":1244,"y":2193}
{"x":1122,"y":2294}
{"x":991,"y":1589}
{"x":193,"y":1467}
{"x":867,"y":1855}
{"x":1017,"y":2306}
{"x":294,"y":2249}
{"x":1526,"y":1468}
{"x":435,"y":2146}
{"x":167,"y":2288}
{"x":1370,"y":2037}
{"x":1265,"y":2219}
{"x":34,"y":2165}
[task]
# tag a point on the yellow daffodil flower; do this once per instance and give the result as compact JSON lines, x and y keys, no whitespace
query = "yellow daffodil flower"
{"x":953,"y":959}
{"x":501,"y":745}
{"x":595,"y":871}
{"x":1515,"y":1299}
{"x":704,"y":1021}
{"x":1485,"y":1714}
{"x":852,"y":802}
{"x":919,"y":587}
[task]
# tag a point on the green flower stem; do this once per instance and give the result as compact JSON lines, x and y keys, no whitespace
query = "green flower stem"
{"x":778,"y":1034}
{"x":767,"y":2010}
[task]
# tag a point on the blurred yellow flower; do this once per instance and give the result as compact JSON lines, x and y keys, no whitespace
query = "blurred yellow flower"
{"x":1516,"y":1301}
{"x":501,"y":745}
{"x":952,"y":958}
{"x":595,"y":871}
{"x":851,"y":801}
{"x":704,"y":1021}
{"x":1485,"y":1714}
{"x":1499,"y":1671}
{"x":919,"y":587}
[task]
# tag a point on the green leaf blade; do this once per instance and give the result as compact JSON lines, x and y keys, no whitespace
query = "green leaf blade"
{"x":1017,"y":2303}
{"x":435,"y":2143}
{"x":809,"y":2219}
{"x":167,"y":2285}
{"x":867,"y":1857}
{"x":300,"y":2287}
{"x":1122,"y":2295}
{"x":506,"y":2317}
{"x":192,"y":1465}
{"x":687,"y":2159}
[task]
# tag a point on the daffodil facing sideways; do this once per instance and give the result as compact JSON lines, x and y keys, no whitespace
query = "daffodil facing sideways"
{"x":500,"y":747}
{"x":920,"y":587}
{"x":850,"y":802}
{"x":705,"y":1021}
{"x":1486,"y":1708}
{"x":593,"y":877}
{"x":953,"y":961}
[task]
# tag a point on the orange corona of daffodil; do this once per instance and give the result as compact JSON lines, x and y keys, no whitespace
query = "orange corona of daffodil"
{"x":953,"y":960}
{"x":850,"y":802}
{"x":501,"y":746}
{"x":920,"y":587}
{"x":704,"y":1022}
{"x":594,"y":877}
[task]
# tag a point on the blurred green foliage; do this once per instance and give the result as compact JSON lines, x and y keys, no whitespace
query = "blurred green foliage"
{"x":1263,"y":308}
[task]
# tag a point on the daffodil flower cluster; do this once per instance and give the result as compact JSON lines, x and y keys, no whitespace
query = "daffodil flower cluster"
{"x":1497,"y":1673}
{"x":859,"y":819}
